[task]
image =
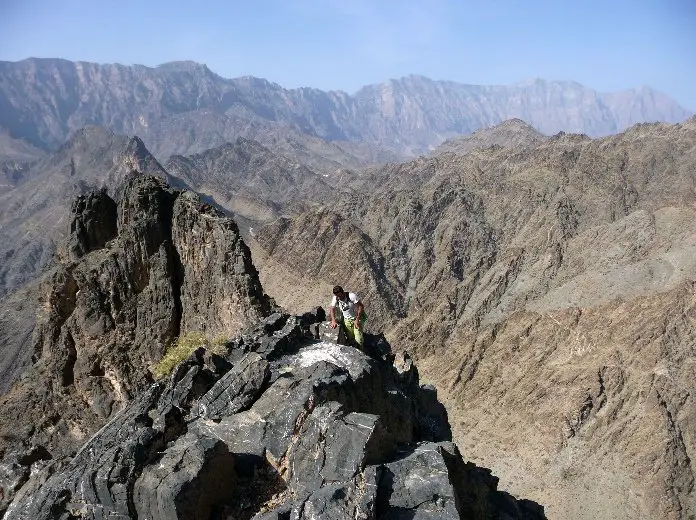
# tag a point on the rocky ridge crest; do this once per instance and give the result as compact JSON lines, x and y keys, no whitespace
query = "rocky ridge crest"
{"x":282,"y":426}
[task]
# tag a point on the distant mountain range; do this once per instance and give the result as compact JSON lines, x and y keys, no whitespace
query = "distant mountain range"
{"x":184,"y":108}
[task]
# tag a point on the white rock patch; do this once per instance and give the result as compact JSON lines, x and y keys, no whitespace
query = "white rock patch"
{"x":331,"y":352}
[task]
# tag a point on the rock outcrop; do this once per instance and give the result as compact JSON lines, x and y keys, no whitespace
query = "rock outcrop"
{"x":135,"y":275}
{"x":282,"y":426}
{"x":34,"y":215}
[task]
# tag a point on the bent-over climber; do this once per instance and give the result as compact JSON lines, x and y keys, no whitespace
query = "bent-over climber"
{"x":352,"y":314}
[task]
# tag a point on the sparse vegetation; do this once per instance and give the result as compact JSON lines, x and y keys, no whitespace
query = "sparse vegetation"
{"x":183,"y":347}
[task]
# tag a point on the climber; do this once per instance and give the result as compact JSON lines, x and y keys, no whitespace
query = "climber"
{"x":350,"y":306}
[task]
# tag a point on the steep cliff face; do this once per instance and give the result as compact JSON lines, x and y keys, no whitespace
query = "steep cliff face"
{"x":186,"y":108}
{"x":133,"y":276}
{"x":282,"y":426}
{"x":552,"y":282}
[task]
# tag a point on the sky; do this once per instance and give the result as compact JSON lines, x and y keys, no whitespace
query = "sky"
{"x":606,"y":45}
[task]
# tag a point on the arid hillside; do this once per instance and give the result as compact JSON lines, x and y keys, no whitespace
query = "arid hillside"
{"x":547,"y":289}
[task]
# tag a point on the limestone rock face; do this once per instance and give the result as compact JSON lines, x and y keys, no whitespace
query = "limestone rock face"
{"x":185,"y":107}
{"x":283,"y":426}
{"x":138,"y":273}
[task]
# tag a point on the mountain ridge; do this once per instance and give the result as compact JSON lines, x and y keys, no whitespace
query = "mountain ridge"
{"x":250,"y":180}
{"x":44,"y":100}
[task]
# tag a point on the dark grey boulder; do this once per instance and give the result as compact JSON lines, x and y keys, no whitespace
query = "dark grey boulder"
{"x":237,"y":389}
{"x":187,"y":481}
{"x":417,"y":485}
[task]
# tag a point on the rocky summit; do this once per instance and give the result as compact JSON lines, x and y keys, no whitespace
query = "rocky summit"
{"x":133,"y":276}
{"x":283,"y":425}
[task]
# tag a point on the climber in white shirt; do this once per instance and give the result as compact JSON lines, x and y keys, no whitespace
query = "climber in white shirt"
{"x":350,"y":307}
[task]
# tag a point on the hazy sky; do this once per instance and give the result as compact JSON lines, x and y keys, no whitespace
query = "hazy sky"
{"x":344,"y":44}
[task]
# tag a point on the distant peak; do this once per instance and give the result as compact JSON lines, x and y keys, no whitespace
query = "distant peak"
{"x":515,"y":122}
{"x":137,"y":146}
{"x":183,"y":66}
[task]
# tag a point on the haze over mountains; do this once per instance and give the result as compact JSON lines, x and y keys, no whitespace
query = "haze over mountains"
{"x":545,"y":283}
{"x":183,"y":107}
